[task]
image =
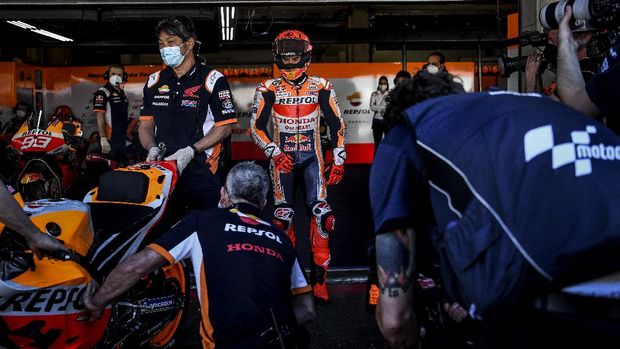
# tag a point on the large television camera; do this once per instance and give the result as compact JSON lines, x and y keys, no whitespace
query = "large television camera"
{"x":508,"y":65}
{"x":599,"y":16}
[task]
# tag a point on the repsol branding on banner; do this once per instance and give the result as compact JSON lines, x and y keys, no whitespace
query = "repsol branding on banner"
{"x":52,"y":300}
{"x":357,"y":112}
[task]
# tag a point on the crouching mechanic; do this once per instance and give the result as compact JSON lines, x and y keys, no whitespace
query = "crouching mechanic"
{"x":293,"y":103}
{"x":517,"y":195}
{"x":248,"y":266}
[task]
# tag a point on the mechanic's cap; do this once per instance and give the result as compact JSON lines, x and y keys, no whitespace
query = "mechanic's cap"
{"x":180,"y":26}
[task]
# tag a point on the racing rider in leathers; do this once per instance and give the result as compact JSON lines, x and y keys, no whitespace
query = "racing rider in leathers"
{"x":294,"y":102}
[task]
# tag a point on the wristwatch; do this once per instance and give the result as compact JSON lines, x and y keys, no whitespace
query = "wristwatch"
{"x":196,"y":152}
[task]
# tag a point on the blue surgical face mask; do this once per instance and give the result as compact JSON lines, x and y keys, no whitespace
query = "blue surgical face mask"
{"x":172,"y":56}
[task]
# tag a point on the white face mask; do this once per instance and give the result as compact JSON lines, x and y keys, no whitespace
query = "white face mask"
{"x":432,"y":69}
{"x":115,"y":80}
{"x":383,"y":87}
{"x":20,"y":113}
{"x":172,"y":56}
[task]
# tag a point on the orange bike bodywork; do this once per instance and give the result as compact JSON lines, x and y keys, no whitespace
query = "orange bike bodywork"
{"x":41,"y":308}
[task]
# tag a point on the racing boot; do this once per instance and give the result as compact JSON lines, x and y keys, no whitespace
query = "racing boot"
{"x":321,"y":258}
{"x":318,"y":279}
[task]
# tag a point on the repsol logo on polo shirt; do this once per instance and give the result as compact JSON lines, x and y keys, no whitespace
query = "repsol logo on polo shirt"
{"x":249,"y":230}
{"x":45,"y":300}
{"x":298,"y":100}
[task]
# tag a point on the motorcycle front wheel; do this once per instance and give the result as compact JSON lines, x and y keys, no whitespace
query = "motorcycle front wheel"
{"x":177,"y":277}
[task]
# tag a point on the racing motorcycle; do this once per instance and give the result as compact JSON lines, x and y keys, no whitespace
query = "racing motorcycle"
{"x":47,"y":163}
{"x":41,"y":299}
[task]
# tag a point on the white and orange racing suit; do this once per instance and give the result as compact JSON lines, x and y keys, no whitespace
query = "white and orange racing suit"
{"x":294,"y":110}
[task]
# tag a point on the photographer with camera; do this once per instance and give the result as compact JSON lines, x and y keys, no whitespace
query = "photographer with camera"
{"x":600,"y":94}
{"x":534,"y":68}
{"x":536,"y":64}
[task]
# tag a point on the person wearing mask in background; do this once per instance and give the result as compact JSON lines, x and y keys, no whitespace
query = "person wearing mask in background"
{"x":191,"y":106}
{"x":112,"y":110}
{"x":21,"y":113}
{"x":435,"y":62}
{"x":378,"y":101}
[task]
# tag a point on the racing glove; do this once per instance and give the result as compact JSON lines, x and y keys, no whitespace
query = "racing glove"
{"x":154,"y":154}
{"x":283,"y":162}
{"x":183,"y":157}
{"x":335,"y":174}
{"x":105,"y":145}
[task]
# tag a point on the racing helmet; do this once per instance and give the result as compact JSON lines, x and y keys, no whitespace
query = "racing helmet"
{"x":63,"y":113}
{"x":292,"y":43}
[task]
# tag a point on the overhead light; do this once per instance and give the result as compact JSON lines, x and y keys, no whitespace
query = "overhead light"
{"x":34,"y":29}
{"x":227,"y":20}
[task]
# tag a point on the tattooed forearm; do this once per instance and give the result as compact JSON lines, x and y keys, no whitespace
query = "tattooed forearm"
{"x":395,"y":262}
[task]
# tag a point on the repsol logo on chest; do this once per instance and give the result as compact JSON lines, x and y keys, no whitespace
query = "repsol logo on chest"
{"x":249,"y":230}
{"x":298,"y":100}
{"x":46,"y":300}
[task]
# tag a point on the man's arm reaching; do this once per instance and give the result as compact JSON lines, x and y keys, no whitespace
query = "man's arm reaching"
{"x":395,"y":266}
{"x":120,"y":279}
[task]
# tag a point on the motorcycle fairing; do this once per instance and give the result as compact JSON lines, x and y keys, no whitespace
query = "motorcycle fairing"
{"x":122,"y":234}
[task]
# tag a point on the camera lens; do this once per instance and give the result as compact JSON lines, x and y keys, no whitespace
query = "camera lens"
{"x":581,"y":9}
{"x":509,"y":65}
{"x":551,"y":14}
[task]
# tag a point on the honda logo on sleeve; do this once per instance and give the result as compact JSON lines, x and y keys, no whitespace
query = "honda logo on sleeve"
{"x":579,"y":151}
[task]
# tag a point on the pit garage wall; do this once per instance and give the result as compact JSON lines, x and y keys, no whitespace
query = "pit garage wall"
{"x":74,"y":86}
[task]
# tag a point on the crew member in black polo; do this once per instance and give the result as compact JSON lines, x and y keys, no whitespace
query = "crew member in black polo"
{"x":111,"y":108}
{"x":188,"y":107}
{"x":248,"y":277}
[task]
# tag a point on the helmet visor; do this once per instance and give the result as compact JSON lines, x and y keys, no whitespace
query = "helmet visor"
{"x":290,"y":47}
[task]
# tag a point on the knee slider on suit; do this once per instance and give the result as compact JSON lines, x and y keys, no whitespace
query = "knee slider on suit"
{"x":324,"y":216}
{"x":283,"y":217}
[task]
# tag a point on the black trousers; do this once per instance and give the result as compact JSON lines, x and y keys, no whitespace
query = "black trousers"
{"x":118,"y":150}
{"x":378,"y":131}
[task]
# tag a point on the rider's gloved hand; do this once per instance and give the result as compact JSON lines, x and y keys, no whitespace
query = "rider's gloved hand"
{"x":283,"y":162}
{"x":154,"y":154}
{"x":335,"y":174}
{"x":183,"y":157}
{"x":42,"y":243}
{"x":105,"y":145}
